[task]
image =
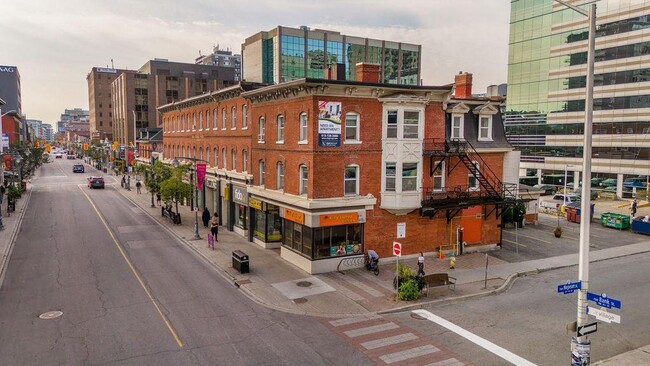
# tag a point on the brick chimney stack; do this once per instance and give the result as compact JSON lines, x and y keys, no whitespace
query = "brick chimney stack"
{"x":367,"y":73}
{"x":463,"y":83}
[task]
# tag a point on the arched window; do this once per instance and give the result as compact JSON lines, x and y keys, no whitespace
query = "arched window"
{"x":201,"y":153}
{"x":233,"y":118}
{"x":303,"y":176}
{"x":303,"y":127}
{"x":262,"y":172}
{"x":216,"y":157}
{"x":244,"y":116}
{"x":223,"y":118}
{"x":214,"y":119}
{"x":193,"y":121}
{"x":280,"y":176}
{"x":224,"y":158}
{"x":244,"y":161}
{"x":200,"y":121}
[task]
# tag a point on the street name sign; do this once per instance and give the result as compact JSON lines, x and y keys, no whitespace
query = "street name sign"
{"x":587,"y":329}
{"x":604,"y":301}
{"x":569,"y":287}
{"x":604,"y":315}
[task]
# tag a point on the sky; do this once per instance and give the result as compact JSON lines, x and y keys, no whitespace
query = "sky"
{"x":55,"y":44}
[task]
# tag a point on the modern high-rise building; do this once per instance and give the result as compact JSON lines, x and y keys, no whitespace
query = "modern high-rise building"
{"x":100,"y":102}
{"x":223,"y":58}
{"x":10,"y":89}
{"x":136,"y":95}
{"x":547,"y":67}
{"x":284,"y":54}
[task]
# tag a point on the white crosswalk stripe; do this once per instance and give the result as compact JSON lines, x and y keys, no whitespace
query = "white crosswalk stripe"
{"x":383,"y":342}
{"x":369,"y":330}
{"x":348,"y":321}
{"x":448,"y":362}
{"x":409,"y":353}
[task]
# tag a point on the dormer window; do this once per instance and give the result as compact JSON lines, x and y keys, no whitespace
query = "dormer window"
{"x":485,"y":128}
{"x":457,"y":121}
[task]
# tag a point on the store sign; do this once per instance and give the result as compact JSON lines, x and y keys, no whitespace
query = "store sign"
{"x":107,"y":70}
{"x":211,"y":183}
{"x":294,"y":216}
{"x":240,"y":195}
{"x":339,"y":219}
{"x":254,"y":203}
{"x":7,"y":69}
{"x":329,"y":124}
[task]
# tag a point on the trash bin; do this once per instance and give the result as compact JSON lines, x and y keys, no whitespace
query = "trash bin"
{"x":240,"y":261}
{"x":617,"y":221}
{"x":572,"y":213}
{"x":591,"y":218}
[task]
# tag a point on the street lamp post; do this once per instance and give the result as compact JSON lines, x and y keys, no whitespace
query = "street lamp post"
{"x":583,"y":258}
{"x":195,"y":183}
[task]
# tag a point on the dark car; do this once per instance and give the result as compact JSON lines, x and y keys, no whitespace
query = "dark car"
{"x":77,"y":168}
{"x":547,"y":188}
{"x":96,"y":182}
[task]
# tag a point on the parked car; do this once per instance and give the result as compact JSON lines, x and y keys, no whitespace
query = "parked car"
{"x":634,"y":182}
{"x":627,"y":192}
{"x":609,"y":182}
{"x":77,"y":168}
{"x":58,"y":156}
{"x":96,"y":182}
{"x":547,"y":188}
{"x":596,"y":181}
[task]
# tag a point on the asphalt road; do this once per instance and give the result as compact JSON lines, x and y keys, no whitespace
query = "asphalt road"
{"x":132,"y":294}
{"x":530,"y":319}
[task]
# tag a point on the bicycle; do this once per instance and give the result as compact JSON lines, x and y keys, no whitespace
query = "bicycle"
{"x":372,"y":265}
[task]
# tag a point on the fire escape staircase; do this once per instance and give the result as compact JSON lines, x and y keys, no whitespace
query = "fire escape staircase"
{"x":490,"y":191}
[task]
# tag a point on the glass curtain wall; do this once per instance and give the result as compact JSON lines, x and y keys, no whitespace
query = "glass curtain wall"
{"x":293,"y":57}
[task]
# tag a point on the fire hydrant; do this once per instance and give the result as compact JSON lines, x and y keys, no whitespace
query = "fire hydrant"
{"x":452,"y":263}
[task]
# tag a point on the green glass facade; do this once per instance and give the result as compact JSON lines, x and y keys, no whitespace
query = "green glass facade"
{"x":547,"y":58}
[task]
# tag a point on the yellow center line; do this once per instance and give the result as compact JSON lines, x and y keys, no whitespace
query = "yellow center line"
{"x":530,"y":237}
{"x":135,"y":273}
{"x":514,"y":242}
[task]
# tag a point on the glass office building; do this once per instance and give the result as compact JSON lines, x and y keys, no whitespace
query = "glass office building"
{"x":546,"y":87}
{"x":284,"y":54}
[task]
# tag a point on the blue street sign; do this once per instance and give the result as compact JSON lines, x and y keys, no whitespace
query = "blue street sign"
{"x":569,"y":287}
{"x":603,"y":300}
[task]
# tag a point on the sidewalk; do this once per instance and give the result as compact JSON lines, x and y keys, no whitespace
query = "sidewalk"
{"x":11,"y":221}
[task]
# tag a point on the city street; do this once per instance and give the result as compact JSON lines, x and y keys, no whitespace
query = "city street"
{"x":131,"y":293}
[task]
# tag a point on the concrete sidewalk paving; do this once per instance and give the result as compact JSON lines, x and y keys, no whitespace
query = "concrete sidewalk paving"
{"x":11,"y":221}
{"x":639,"y":356}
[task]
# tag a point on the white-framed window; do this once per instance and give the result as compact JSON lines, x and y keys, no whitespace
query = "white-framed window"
{"x":193,"y":121}
{"x":352,"y":127}
{"x":438,"y":177}
{"x":262,"y":172}
{"x":411,"y":125}
{"x":409,"y":177}
{"x":303,"y":179}
{"x":201,"y":153}
{"x":214,"y":119}
{"x":391,"y":169}
{"x":233,"y":152}
{"x":351,"y":180}
{"x":200,"y":121}
{"x":485,"y":128}
{"x":280,"y":176}
{"x":182,"y":123}
{"x":224,"y":159}
{"x":244,"y":117}
{"x":233,"y":118}
{"x":280,"y":128}
{"x":244,"y":160}
{"x":457,"y":121}
{"x":216,"y":157}
{"x":473,"y":183}
{"x":223,"y":118}
{"x":303,"y":127}
{"x":262,"y":126}
{"x":391,"y":125}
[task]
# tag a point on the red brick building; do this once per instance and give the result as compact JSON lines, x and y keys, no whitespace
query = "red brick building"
{"x":326,"y":169}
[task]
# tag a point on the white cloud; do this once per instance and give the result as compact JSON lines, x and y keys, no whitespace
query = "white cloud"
{"x":55,"y":44}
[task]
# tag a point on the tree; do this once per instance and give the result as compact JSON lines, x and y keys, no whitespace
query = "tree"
{"x":154,"y":176}
{"x":32,"y":158}
{"x":173,"y":189}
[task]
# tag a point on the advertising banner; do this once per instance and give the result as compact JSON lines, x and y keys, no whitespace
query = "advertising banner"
{"x":329,"y":124}
{"x":200,"y":175}
{"x":5,"y":140}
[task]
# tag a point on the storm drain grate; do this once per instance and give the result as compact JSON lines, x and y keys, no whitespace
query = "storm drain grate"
{"x":51,"y":314}
{"x":300,"y":300}
{"x":303,"y":284}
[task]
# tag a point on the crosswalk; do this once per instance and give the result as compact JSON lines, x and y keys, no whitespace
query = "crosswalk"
{"x":387,"y":342}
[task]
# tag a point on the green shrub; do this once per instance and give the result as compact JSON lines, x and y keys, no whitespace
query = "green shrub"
{"x":408,"y":291}
{"x":404,"y":271}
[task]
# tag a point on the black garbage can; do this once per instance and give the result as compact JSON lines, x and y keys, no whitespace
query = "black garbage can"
{"x":240,"y":261}
{"x":11,"y":205}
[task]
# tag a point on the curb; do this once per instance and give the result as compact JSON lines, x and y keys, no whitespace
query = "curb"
{"x":4,"y":260}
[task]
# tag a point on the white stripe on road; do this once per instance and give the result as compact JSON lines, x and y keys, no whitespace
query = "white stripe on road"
{"x":370,"y":330}
{"x":348,"y":321}
{"x":448,"y":362}
{"x":409,"y":353}
{"x":499,"y":351}
{"x":389,"y":341}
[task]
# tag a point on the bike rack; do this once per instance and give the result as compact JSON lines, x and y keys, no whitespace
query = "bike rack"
{"x":351,"y":262}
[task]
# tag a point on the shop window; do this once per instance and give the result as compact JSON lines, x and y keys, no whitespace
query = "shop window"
{"x":241,"y":216}
{"x":303,"y":180}
{"x":338,"y":241}
{"x":262,"y":172}
{"x":391,"y":124}
{"x":303,"y":127}
{"x":244,"y":117}
{"x":280,"y":176}
{"x":351,"y":180}
{"x":352,"y":127}
{"x":268,"y":225}
{"x":280,"y":129}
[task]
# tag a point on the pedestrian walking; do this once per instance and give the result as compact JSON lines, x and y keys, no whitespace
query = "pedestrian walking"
{"x":214,"y":226}
{"x":123,"y":182}
{"x":158,"y":198}
{"x":138,"y":186}
{"x":420,"y":265}
{"x":128,"y":183}
{"x":633,"y":207}
{"x":206,"y":217}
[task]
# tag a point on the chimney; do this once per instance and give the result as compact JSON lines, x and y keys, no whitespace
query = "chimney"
{"x":367,"y":73}
{"x":463,"y":83}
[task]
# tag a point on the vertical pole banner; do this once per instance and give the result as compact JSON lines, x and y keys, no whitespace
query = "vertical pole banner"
{"x":200,"y":175}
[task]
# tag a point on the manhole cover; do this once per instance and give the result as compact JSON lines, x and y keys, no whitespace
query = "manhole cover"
{"x":303,"y":284}
{"x":300,"y":300}
{"x":418,"y":317}
{"x":51,"y":314}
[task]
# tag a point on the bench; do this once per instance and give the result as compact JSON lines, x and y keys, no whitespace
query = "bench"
{"x":438,"y":280}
